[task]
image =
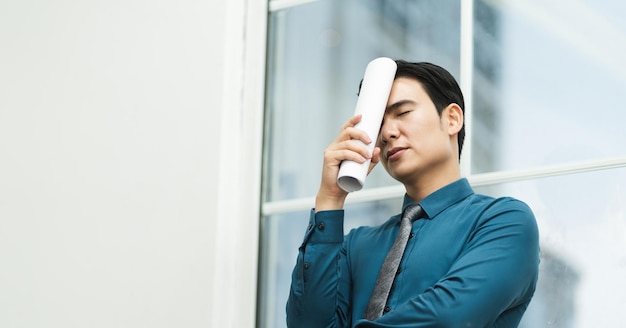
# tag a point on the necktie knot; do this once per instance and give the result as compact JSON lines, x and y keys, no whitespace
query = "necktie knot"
{"x":413,"y":212}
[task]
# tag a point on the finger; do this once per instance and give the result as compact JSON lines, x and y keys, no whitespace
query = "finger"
{"x":376,"y":155}
{"x":352,"y":133}
{"x":336,"y":156}
{"x":352,"y":121}
{"x":375,"y":159}
{"x":351,"y":145}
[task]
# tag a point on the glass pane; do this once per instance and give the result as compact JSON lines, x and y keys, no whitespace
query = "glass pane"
{"x":282,"y":235}
{"x":548,"y":81}
{"x":317,"y":55}
{"x":582,"y":226}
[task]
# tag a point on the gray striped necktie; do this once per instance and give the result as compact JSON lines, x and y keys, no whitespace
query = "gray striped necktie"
{"x":387,"y":272}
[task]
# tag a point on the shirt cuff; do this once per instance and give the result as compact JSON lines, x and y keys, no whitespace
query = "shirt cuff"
{"x":325,"y":227}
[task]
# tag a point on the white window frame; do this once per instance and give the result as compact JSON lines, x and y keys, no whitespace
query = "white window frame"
{"x":239,"y":154}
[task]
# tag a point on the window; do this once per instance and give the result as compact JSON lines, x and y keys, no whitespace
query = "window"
{"x":543,"y":82}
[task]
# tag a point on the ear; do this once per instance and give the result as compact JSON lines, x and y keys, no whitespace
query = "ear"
{"x":454,"y":118}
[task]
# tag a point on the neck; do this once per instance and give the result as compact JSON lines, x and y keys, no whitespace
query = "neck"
{"x":426,"y":184}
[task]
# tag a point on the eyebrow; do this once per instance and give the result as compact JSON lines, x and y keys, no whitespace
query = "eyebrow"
{"x":399,"y":104}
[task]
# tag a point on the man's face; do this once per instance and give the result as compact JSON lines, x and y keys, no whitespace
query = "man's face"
{"x":413,"y":139}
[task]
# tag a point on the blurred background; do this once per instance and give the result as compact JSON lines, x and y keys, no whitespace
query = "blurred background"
{"x":158,"y":159}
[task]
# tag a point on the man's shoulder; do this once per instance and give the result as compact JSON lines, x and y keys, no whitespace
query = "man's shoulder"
{"x":488,"y":201}
{"x":502,"y":207}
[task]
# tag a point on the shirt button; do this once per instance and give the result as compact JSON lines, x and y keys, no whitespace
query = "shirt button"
{"x":387,"y":309}
{"x":306,"y":265}
{"x":411,"y":235}
{"x":321,"y":226}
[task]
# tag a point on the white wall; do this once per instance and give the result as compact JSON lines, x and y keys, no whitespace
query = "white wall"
{"x":110,"y":116}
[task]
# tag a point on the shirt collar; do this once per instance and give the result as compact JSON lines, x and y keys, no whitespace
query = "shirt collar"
{"x":442,"y":198}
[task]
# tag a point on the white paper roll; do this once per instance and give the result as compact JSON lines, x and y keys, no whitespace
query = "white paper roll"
{"x":373,"y":97}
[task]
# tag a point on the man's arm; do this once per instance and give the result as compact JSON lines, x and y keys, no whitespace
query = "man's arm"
{"x":320,"y":285}
{"x":489,"y":285}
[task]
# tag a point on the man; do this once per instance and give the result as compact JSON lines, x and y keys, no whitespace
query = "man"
{"x":470,"y":260}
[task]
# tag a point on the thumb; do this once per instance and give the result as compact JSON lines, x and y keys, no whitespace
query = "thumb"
{"x":375,"y":159}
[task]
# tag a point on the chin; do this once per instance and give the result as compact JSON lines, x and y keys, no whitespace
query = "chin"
{"x":405,"y":174}
{"x":399,"y":176}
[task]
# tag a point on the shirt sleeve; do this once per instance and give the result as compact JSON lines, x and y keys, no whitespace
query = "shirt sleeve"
{"x":491,"y":282}
{"x":320,"y":285}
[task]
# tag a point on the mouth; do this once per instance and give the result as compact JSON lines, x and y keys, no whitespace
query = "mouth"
{"x":395,"y":153}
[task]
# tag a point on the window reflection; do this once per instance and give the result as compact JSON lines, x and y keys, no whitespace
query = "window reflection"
{"x":546,"y":81}
{"x":582,"y":225}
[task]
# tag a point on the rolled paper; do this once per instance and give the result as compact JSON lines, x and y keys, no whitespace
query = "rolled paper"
{"x":372,"y":101}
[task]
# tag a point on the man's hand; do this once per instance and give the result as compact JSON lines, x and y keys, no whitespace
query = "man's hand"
{"x":346,"y":147}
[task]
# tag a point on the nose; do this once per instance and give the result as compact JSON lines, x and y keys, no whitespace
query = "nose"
{"x":388,"y":131}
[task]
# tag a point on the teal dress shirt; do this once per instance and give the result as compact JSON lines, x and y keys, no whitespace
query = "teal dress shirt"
{"x":472,"y":261}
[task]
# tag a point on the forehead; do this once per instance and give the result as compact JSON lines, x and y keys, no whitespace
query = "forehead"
{"x":405,"y":88}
